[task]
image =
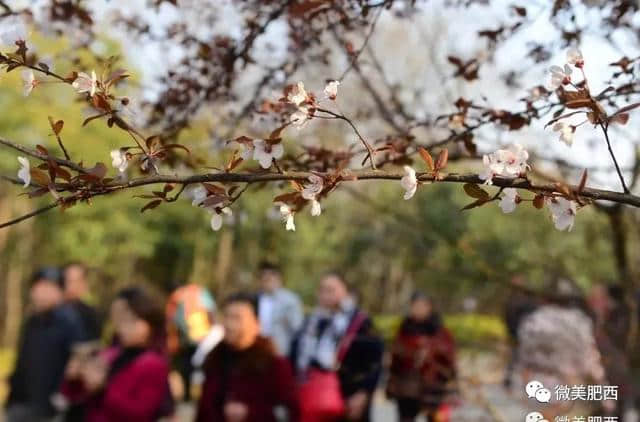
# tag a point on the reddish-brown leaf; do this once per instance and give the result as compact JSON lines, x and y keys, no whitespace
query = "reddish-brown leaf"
{"x":56,"y":126}
{"x":214,"y":189}
{"x":442,"y":160}
{"x":41,"y":178}
{"x":427,"y":158}
{"x":287,"y":197}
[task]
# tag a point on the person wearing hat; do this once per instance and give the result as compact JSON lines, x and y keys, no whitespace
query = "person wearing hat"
{"x":46,"y":341}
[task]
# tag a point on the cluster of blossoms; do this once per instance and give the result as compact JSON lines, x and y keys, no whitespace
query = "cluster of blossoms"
{"x":560,"y":77}
{"x":305,"y":102}
{"x":506,"y":163}
{"x":510,"y":162}
{"x":199,"y":196}
{"x":83,"y":83}
{"x":311,"y":192}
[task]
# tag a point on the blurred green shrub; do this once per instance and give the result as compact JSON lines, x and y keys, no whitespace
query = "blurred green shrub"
{"x":468,"y":329}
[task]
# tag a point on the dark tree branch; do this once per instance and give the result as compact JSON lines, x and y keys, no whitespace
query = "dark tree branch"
{"x":29,"y":215}
{"x":35,"y":154}
{"x":605,"y":129}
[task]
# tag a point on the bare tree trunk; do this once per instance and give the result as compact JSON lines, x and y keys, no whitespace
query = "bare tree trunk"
{"x":224,"y":261}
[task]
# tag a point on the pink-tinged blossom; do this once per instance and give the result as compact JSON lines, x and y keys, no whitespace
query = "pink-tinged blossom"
{"x":510,"y":162}
{"x":297,"y":95}
{"x":301,"y":116}
{"x":312,"y":189}
{"x":85,"y":83}
{"x":331,"y":90}
{"x":574,"y":57}
{"x":563,"y":212}
{"x":29,"y":82}
{"x":265,"y":153}
{"x":560,"y":76}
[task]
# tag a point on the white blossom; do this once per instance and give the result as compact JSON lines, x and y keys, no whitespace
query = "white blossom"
{"x":509,"y":200}
{"x":316,"y":209}
{"x":85,"y":83}
{"x":297,"y":95}
{"x":566,"y":132}
{"x":312,"y":190}
{"x":409,"y":182}
{"x":563,"y":213}
{"x":265,"y":153}
{"x":197,"y":194}
{"x":331,"y":90}
{"x":119,"y":160}
{"x":24,"y":173}
{"x":217,"y":217}
{"x":574,"y":57}
{"x":246,"y":151}
{"x":510,"y":162}
{"x":29,"y":81}
{"x":560,"y":76}
{"x":301,"y":116}
{"x":287,"y":216}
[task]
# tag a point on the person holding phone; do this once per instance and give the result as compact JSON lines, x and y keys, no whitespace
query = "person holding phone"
{"x":126,"y":382}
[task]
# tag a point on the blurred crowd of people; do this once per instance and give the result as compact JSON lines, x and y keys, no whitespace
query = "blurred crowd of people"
{"x":258,"y":358}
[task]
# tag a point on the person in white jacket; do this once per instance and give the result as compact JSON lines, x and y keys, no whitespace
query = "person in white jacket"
{"x":280,"y":309}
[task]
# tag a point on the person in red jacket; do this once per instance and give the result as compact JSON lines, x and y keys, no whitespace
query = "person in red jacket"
{"x":129,"y":381}
{"x":423,"y":362}
{"x":245,"y":378}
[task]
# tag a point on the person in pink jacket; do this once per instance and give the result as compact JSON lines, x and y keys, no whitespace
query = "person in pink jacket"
{"x":129,"y":381}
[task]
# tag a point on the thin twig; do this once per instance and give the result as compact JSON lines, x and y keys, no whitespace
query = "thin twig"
{"x":370,"y":151}
{"x":35,"y":154}
{"x":29,"y":215}
{"x":605,"y":129}
{"x":364,"y":44}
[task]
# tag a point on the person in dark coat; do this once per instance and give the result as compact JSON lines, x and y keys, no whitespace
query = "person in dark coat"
{"x":245,"y":378}
{"x":46,"y":341}
{"x":76,"y":289}
{"x":423,"y":362}
{"x":127,"y":382}
{"x":340,"y":337}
